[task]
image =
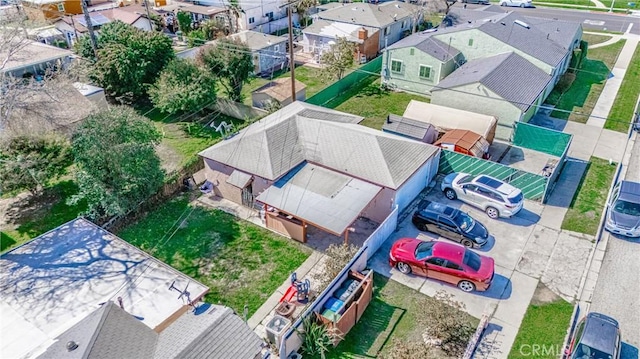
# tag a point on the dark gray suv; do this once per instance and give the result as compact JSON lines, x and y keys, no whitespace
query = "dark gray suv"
{"x":597,"y":336}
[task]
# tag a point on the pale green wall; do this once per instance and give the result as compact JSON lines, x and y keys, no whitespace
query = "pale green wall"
{"x":484,"y":45}
{"x":409,"y":79}
{"x":477,"y":98}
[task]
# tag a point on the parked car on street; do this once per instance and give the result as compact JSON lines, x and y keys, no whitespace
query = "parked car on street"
{"x":450,"y":223}
{"x":481,"y":2}
{"x":623,"y":209}
{"x":597,"y":336}
{"x":496,"y":198}
{"x":516,"y":3}
{"x":443,"y":261}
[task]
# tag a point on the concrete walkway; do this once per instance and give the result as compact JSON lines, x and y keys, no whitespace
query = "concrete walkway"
{"x":614,"y":38}
{"x":607,"y":97}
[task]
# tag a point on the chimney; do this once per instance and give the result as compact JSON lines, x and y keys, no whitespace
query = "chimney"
{"x":362,"y":33}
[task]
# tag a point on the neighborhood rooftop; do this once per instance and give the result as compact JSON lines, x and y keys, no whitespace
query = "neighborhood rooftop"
{"x":334,"y":29}
{"x":55,"y":280}
{"x":28,"y":53}
{"x":374,"y":15}
{"x":257,"y":40}
{"x":429,"y":45}
{"x":521,"y":87}
{"x":279,"y":142}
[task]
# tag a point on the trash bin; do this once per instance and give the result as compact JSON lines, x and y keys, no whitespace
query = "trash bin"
{"x":276,"y":327}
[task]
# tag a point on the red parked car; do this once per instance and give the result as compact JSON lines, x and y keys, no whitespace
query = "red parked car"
{"x":447,"y":262}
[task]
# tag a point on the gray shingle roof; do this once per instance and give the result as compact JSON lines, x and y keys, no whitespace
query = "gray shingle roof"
{"x":378,"y":16}
{"x":429,"y":45}
{"x":213,"y":333}
{"x":257,"y":40}
{"x":334,"y":29}
{"x":406,"y":126}
{"x":508,"y":75}
{"x":277,"y":143}
{"x":530,"y":40}
{"x":108,"y":332}
{"x":562,"y":32}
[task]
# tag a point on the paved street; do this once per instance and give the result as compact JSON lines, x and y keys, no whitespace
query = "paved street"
{"x":589,"y":20}
{"x":617,"y":291}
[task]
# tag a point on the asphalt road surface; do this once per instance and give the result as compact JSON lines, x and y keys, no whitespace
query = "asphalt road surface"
{"x":617,"y":291}
{"x":590,"y":20}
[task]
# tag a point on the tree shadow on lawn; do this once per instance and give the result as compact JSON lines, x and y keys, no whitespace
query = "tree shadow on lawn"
{"x":592,"y":72}
{"x":34,"y":215}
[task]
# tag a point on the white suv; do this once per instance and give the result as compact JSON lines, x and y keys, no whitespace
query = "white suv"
{"x":520,"y":3}
{"x":496,"y":198}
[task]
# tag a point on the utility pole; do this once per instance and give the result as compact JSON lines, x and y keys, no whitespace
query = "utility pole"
{"x":292,"y":62}
{"x":92,"y":34}
{"x":146,"y":6}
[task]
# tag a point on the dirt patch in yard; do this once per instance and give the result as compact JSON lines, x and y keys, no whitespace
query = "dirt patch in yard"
{"x":543,"y":295}
{"x":169,"y":158}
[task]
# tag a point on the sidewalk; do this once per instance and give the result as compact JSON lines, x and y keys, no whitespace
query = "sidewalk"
{"x":607,"y":97}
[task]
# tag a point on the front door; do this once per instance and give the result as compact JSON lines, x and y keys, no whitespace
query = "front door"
{"x":247,"y":196}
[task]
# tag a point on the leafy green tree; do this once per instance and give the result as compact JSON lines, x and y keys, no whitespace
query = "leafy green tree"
{"x":31,"y":163}
{"x":129,"y":59}
{"x":117,"y":166}
{"x":338,"y":58}
{"x":231,"y":61}
{"x":184,"y":22}
{"x":183,"y":86}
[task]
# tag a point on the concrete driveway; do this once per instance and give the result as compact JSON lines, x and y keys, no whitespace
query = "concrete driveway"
{"x":525,"y":252}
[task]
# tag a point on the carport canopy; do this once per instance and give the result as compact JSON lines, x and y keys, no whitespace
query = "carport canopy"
{"x":325,"y":198}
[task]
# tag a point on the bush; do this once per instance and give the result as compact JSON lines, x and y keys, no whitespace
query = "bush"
{"x":317,"y":339}
{"x":337,"y":257}
{"x":447,"y":323}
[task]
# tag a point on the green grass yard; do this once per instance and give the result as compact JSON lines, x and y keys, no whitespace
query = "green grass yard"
{"x":621,"y":113}
{"x":577,"y":101}
{"x":371,"y":102}
{"x":240,"y":262}
{"x":32,"y":217}
{"x":588,"y":203}
{"x":393,"y":313}
{"x":544,"y":325}
{"x":594,"y":39}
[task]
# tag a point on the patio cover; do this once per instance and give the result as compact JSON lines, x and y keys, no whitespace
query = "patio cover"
{"x":239,"y":179}
{"x":322,"y":197}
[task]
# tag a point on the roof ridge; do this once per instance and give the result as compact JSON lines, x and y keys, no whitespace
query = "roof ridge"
{"x":226,"y":313}
{"x":106,"y":309}
{"x":500,"y":63}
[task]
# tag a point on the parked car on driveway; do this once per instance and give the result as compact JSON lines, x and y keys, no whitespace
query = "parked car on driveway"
{"x":443,"y":261}
{"x":450,"y":223}
{"x":597,"y":336}
{"x":520,"y":3}
{"x":623,"y":209}
{"x":496,"y":198}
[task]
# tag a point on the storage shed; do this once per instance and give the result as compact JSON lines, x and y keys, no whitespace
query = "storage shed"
{"x":445,"y":119}
{"x":465,"y":142}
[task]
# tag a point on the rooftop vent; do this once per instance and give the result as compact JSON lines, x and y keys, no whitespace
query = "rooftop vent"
{"x":71,"y":346}
{"x":521,"y":23}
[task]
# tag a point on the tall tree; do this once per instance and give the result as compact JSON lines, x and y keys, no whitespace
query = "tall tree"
{"x":231,"y":61}
{"x":302,"y":8}
{"x":183,"y":86}
{"x":338,"y":58}
{"x":31,"y":163}
{"x":117,"y":166}
{"x":129,"y":61}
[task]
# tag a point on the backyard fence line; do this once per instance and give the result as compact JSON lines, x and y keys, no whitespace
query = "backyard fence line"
{"x":339,"y":87}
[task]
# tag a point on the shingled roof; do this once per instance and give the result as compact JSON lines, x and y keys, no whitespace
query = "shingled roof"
{"x":277,"y":143}
{"x":429,"y":45}
{"x":509,"y":75}
{"x":373,"y":15}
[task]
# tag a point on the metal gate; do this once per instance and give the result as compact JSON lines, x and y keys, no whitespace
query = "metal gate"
{"x":247,"y":196}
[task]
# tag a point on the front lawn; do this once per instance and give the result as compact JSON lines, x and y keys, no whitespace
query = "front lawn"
{"x":543,"y":330}
{"x":393,"y":314}
{"x":577,"y":101}
{"x":594,"y":39}
{"x":241,"y":263}
{"x":368,"y":100}
{"x":622,"y":111}
{"x":29,"y":217}
{"x":588,"y":203}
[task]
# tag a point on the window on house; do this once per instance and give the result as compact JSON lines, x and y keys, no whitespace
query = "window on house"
{"x":270,"y":15}
{"x":252,"y":20}
{"x":386,"y":31}
{"x":425,"y":72}
{"x":411,"y":52}
{"x":404,"y":23}
{"x":470,"y":42}
{"x":396,"y":66}
{"x":60,"y":7}
{"x":276,"y":48}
